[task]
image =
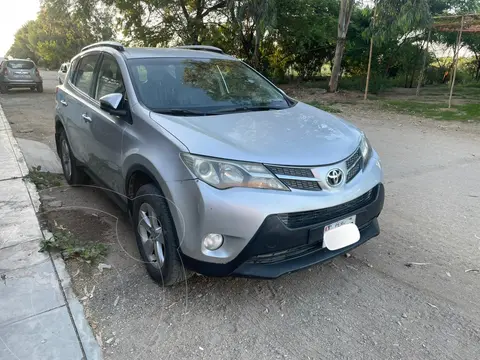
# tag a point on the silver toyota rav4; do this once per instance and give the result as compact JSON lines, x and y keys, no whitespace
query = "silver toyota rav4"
{"x":221,"y":172}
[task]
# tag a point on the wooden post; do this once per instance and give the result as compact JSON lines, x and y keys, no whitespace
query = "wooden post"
{"x":424,"y":64}
{"x":370,"y":57}
{"x":455,"y":63}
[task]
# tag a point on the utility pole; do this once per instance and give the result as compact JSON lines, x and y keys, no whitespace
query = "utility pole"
{"x":370,"y":55}
{"x":455,"y":62}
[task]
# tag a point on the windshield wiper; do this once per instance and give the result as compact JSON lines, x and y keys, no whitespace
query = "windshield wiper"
{"x":246,"y":109}
{"x":180,"y":112}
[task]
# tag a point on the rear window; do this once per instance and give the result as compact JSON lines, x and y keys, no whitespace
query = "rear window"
{"x":20,"y":64}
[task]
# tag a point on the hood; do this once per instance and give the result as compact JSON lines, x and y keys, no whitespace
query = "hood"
{"x":301,"y":135}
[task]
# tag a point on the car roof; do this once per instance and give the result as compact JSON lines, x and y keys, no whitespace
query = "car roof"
{"x":19,"y":60}
{"x":141,"y":53}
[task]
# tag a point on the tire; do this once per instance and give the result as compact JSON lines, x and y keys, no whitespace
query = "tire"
{"x":3,"y":89}
{"x":32,"y":88}
{"x":73,"y":173}
{"x":171,"y":271}
{"x":40,"y":88}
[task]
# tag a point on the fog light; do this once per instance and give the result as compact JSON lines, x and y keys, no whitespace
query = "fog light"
{"x":213,"y":241}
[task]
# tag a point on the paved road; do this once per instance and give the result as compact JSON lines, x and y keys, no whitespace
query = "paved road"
{"x":368,"y":306}
{"x":30,"y":113}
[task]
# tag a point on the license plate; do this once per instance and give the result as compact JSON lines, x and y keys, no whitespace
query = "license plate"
{"x":341,"y":234}
{"x":349,"y":220}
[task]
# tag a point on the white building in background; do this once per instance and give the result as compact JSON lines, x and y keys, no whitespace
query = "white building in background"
{"x":442,"y":51}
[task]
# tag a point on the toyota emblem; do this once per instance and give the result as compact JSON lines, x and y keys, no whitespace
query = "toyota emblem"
{"x":335,"y":177}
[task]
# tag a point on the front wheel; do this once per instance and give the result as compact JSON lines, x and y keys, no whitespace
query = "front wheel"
{"x":73,"y":173}
{"x":156,"y":236}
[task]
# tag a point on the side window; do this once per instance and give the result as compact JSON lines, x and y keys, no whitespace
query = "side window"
{"x":74,"y":64}
{"x":109,"y":78}
{"x":84,"y":73}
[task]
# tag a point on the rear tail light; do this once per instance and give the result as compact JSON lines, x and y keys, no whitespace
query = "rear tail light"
{"x":5,"y":71}
{"x":37,"y":72}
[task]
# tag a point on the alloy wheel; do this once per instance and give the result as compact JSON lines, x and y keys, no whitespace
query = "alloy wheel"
{"x":151,"y":232}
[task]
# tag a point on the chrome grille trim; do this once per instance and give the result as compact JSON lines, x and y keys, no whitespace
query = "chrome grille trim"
{"x":303,"y":178}
{"x":295,"y":172}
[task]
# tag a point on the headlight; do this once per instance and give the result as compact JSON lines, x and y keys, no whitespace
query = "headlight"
{"x":224,"y":174}
{"x":366,"y":149}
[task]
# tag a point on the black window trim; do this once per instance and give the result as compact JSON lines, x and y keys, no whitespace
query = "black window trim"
{"x":105,"y":54}
{"x":95,"y":74}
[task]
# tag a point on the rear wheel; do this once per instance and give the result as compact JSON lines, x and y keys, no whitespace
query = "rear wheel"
{"x":32,"y":88}
{"x":40,"y":88}
{"x":3,"y":89}
{"x":73,"y":173}
{"x":156,"y":236}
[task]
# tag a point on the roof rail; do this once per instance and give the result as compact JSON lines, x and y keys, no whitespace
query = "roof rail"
{"x":202,"y":48}
{"x":112,"y":44}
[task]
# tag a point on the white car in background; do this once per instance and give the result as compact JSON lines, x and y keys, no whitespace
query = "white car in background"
{"x":62,"y":72}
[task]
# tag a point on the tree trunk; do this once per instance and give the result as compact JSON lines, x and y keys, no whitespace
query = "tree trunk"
{"x":421,"y":76}
{"x":346,"y":9}
{"x":477,"y":71}
{"x":337,"y":65}
{"x":256,"y":49}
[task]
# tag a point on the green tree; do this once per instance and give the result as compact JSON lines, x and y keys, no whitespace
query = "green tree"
{"x":60,"y":30}
{"x":306,"y":34}
{"x":166,"y":22}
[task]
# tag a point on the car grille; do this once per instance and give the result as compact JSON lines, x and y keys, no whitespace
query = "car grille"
{"x":279,"y":256}
{"x":354,"y":158}
{"x":302,"y":185}
{"x":295,"y":252}
{"x":291,"y":171}
{"x":299,"y":177}
{"x":354,"y":171}
{"x":354,"y":165}
{"x":307,"y":218}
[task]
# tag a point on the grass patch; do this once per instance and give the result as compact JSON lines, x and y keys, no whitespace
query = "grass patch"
{"x":65,"y":243}
{"x":437,"y":111}
{"x":44,"y":179}
{"x":325,"y":107}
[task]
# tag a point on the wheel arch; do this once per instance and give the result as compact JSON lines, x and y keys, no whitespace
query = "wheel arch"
{"x":58,"y":128}
{"x":140,"y":174}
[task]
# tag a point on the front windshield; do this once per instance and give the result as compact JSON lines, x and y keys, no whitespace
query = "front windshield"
{"x":202,"y":85}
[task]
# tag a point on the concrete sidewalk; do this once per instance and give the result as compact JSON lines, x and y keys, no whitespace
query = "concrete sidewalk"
{"x":40,"y":318}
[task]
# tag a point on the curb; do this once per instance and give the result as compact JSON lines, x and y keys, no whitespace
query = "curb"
{"x":83,"y":330}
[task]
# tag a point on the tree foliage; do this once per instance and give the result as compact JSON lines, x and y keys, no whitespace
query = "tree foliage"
{"x":60,"y":31}
{"x":281,"y":38}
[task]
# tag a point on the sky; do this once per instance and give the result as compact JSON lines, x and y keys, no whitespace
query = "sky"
{"x":14,"y":14}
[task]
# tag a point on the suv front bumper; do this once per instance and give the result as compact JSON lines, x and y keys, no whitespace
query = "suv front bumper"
{"x":263,"y":234}
{"x":305,"y":245}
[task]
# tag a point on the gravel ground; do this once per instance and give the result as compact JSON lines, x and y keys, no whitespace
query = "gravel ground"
{"x":370,"y":305}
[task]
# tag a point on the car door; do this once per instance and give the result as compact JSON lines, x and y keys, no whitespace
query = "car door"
{"x":76,"y":94}
{"x":105,"y":143}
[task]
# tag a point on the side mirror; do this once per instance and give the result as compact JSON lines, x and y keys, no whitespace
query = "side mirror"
{"x":110,"y":104}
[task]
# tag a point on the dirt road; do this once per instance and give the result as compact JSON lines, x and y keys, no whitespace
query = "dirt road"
{"x":411,"y":293}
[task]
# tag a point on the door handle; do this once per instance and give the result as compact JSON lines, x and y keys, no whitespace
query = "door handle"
{"x":86,"y":118}
{"x":63,"y":102}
